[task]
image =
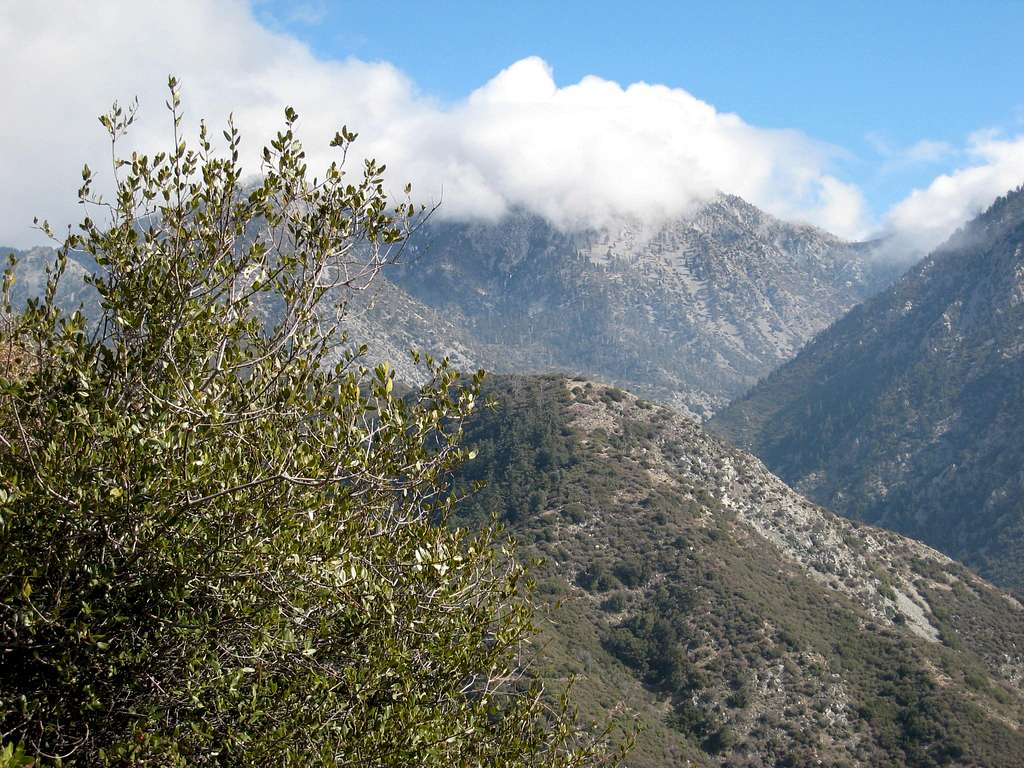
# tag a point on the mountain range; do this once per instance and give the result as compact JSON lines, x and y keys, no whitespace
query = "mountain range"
{"x":688,"y":589}
{"x":690,"y":312}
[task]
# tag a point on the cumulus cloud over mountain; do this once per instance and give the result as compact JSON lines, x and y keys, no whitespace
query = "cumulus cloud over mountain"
{"x":582,"y":153}
{"x":579,"y":154}
{"x":928,"y":216}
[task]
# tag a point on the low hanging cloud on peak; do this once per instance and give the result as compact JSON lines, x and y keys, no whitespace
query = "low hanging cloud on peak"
{"x":584,"y":153}
{"x":580,"y":154}
{"x":926,"y":217}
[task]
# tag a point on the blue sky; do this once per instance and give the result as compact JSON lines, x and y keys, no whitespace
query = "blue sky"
{"x":870,"y":118}
{"x":871,"y":78}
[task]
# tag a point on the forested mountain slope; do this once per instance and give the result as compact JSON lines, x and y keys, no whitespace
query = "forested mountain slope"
{"x":908,"y":412}
{"x":740,"y":624}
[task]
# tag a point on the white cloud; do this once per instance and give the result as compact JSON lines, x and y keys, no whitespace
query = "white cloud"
{"x":585,"y":152}
{"x":74,"y":60}
{"x":928,"y":216}
{"x":577,"y":154}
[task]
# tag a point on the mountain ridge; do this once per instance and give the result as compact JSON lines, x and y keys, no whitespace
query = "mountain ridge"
{"x":905,"y":412}
{"x":741,"y":624}
{"x":691,"y":311}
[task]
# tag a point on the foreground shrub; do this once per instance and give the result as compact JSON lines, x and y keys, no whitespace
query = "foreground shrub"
{"x":223,"y":542}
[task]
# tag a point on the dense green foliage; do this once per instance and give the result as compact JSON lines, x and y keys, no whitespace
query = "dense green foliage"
{"x":220,"y":542}
{"x":727,"y":652}
{"x":907,"y":413}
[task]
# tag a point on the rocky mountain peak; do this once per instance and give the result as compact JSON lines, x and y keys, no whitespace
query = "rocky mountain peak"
{"x":690,"y":311}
